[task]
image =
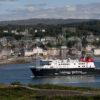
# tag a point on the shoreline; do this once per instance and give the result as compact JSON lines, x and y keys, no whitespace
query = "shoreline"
{"x":18,"y":60}
{"x":23,"y":60}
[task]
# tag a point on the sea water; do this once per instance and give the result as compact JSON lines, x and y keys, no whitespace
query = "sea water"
{"x":22,"y":73}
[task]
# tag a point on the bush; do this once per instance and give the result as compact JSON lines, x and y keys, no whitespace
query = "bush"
{"x":16,"y":83}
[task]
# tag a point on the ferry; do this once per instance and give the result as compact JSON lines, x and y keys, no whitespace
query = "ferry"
{"x":59,"y":67}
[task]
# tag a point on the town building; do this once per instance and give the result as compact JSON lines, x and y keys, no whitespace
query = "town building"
{"x":97,"y":51}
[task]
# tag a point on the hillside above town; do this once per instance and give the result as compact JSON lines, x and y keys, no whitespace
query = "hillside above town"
{"x":46,"y":21}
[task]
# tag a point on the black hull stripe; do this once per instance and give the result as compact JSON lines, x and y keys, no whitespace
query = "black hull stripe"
{"x":64,"y":72}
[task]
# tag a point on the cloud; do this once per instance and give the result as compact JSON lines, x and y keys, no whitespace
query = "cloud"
{"x":37,"y":5}
{"x":7,"y":0}
{"x":70,"y":8}
{"x":88,"y":11}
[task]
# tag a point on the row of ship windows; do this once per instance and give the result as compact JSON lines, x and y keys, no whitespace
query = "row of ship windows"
{"x":69,"y":64}
{"x":74,"y":64}
{"x":64,"y":64}
{"x":81,"y":66}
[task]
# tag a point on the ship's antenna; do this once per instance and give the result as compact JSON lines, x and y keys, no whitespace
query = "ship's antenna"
{"x":37,"y":62}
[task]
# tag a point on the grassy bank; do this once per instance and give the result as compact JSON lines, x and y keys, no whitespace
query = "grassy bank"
{"x":47,"y":92}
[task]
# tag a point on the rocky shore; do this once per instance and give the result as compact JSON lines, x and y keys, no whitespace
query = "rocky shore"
{"x":18,"y":60}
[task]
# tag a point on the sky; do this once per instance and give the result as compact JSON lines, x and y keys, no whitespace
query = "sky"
{"x":64,"y":9}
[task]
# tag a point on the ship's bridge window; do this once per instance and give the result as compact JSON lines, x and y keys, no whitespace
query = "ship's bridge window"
{"x":45,"y":63}
{"x":81,"y":63}
{"x":51,"y":67}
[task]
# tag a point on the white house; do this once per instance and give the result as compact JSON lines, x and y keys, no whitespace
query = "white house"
{"x":35,"y":51}
{"x":38,"y":50}
{"x":5,"y":53}
{"x":29,"y":53}
{"x":97,"y":52}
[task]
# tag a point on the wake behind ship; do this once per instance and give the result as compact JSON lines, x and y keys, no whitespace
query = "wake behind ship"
{"x":65,"y":67}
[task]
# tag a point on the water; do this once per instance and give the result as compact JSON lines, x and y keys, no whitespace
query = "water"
{"x":22,"y":73}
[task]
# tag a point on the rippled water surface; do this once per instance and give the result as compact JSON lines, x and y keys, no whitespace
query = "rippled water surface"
{"x":22,"y":73}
